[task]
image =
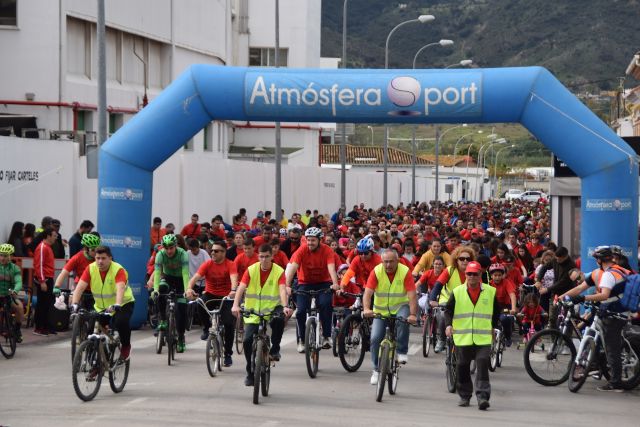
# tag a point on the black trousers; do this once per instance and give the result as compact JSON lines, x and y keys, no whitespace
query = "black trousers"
{"x":227,"y":318}
{"x":612,"y":329}
{"x":44,"y":307}
{"x":481,"y":354}
{"x":120,"y":322}
{"x":250,"y":329}
{"x":175,"y":283}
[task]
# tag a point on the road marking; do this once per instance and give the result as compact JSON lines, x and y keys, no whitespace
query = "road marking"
{"x":413,"y":349}
{"x":136,"y":401}
{"x":271,"y":423}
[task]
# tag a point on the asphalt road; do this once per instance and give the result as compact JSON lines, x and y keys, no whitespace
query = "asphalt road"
{"x":36,"y":390}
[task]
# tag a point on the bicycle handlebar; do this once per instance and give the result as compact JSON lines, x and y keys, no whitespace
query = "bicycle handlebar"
{"x":349,"y":294}
{"x":313,"y":292}
{"x":247,"y":313}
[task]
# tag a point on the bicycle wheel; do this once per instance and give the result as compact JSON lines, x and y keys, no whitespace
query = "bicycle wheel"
{"x":392,"y":377}
{"x":493,"y":356}
{"x":191,"y":309}
{"x":351,"y":348}
{"x":265,"y":375}
{"x":383,"y":367}
{"x":86,"y":372}
{"x":239,"y":334}
{"x":171,"y":341}
{"x":548,"y":356}
{"x":311,"y":353}
{"x":8,"y":335}
{"x":501,"y":346}
{"x":257,"y":370}
{"x":335,"y":331}
{"x":213,"y":355}
{"x":78,"y":333}
{"x":451,"y":369}
{"x":426,"y":336}
{"x":118,"y":371}
{"x":580,"y":368}
{"x":630,"y":366}
{"x":160,"y":341}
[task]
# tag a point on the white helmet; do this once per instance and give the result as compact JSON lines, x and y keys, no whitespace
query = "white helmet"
{"x":313,"y":232}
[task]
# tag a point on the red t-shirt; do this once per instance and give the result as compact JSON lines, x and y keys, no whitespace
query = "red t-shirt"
{"x":77,"y":264}
{"x":363,"y":268}
{"x":342,"y":301}
{"x":409,"y":284}
{"x":281,"y":259}
{"x":243,"y":262}
{"x":474,"y":294}
{"x":313,"y":265}
{"x":429,"y":278}
{"x":532,"y":313}
{"x":217,"y":277}
{"x":533,"y":250}
{"x":191,"y":231}
{"x":120,"y":276}
{"x":264,"y":275}
{"x":444,"y":276}
{"x":505,"y":287}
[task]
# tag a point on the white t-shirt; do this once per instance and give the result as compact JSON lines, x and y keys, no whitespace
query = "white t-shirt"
{"x":607,"y":280}
{"x":195,"y":261}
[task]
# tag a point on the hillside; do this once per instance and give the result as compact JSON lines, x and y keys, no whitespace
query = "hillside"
{"x":579,"y":41}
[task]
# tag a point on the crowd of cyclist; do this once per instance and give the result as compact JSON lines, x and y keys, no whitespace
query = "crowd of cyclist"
{"x":417,"y":254}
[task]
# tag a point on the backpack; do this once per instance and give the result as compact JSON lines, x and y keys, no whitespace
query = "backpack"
{"x":630,"y":299}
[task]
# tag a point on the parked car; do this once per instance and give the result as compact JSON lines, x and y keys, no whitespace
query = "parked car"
{"x":512,"y":193}
{"x":532,"y":196}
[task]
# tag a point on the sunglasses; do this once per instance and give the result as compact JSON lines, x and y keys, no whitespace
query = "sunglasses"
{"x":217,"y":251}
{"x":464,"y":258}
{"x":366,"y":253}
{"x":472,"y":274}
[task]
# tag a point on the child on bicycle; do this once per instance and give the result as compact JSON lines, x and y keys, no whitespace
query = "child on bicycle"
{"x":531,"y":312}
{"x":351,"y":287}
{"x":425,"y":284}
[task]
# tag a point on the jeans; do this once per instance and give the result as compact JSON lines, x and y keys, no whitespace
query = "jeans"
{"x":175,"y":283}
{"x":466,"y":354}
{"x":44,"y":307}
{"x":612,"y":331}
{"x":507,"y":325}
{"x":227,"y":318}
{"x":378,"y":330}
{"x":250,"y":329}
{"x":440,"y":324}
{"x":323,"y":303}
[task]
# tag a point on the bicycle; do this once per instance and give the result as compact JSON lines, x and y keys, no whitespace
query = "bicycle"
{"x":313,"y":334}
{"x":451,"y":363}
{"x":592,"y":355}
{"x":388,"y":364}
{"x":260,"y":356}
{"x":498,"y":345}
{"x":354,"y":336}
{"x":337,"y":321}
{"x":530,"y":333}
{"x":550,"y":352}
{"x":240,"y":333}
{"x":97,"y":355}
{"x":170,"y":335}
{"x":215,"y":345}
{"x":81,"y":323}
{"x":8,"y":335}
{"x":429,"y":329}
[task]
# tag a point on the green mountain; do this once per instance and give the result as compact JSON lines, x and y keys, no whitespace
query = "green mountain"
{"x":587,"y":44}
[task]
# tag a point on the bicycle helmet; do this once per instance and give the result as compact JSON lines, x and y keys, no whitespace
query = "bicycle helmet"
{"x":7,"y":249}
{"x":90,"y":241}
{"x":342,"y":268}
{"x":496,"y":267}
{"x":616,"y":250}
{"x":283,"y":231}
{"x":313,"y":232}
{"x":365,"y":245}
{"x":169,"y":240}
{"x":603,"y":253}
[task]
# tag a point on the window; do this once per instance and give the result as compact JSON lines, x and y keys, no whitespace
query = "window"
{"x":116,"y":120}
{"x":208,"y":137}
{"x":9,"y":12}
{"x":189,"y":145}
{"x":266,"y":57}
{"x":79,"y":44}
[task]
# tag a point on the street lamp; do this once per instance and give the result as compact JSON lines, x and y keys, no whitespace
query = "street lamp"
{"x":455,"y":148}
{"x":343,"y":143}
{"x":443,"y":43}
{"x":463,"y":63}
{"x":466,"y":177}
{"x":422,"y":19}
{"x":371,"y":129}
{"x":481,"y":155}
{"x":495,"y":166}
{"x":438,"y":139}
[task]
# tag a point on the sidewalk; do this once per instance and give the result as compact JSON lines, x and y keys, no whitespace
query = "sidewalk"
{"x":28,"y":337}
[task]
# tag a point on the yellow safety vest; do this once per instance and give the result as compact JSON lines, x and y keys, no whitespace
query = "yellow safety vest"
{"x":452,"y":283}
{"x":104,"y":293}
{"x":390,"y":296}
{"x":472,"y":323}
{"x":262,"y":299}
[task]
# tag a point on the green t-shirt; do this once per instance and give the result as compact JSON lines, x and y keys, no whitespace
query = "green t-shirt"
{"x":10,"y":278}
{"x":177,"y":265}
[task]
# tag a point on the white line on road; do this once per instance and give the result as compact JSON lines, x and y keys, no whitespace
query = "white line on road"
{"x":136,"y":401}
{"x":413,"y":349}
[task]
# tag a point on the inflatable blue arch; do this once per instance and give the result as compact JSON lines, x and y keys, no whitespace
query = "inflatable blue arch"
{"x":531,"y":96}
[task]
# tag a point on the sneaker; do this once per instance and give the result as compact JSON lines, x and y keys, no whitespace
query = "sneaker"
{"x":403,"y":359}
{"x":125,"y":352}
{"x":463,"y":402}
{"x":610,"y":387}
{"x":275,"y":357}
{"x":228,"y":361}
{"x":439,"y":346}
{"x":300,"y":347}
{"x":18,"y":336}
{"x":326,"y":343}
{"x":181,"y":346}
{"x":509,"y":342}
{"x":374,"y":378}
{"x":248,"y":380}
{"x":204,"y":335}
{"x":40,"y":332}
{"x":483,"y":404}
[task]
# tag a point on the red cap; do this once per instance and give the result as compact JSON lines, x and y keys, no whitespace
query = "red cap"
{"x":473,"y":267}
{"x":474,"y":230}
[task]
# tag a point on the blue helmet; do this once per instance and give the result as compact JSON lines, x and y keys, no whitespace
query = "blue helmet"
{"x":365,"y":245}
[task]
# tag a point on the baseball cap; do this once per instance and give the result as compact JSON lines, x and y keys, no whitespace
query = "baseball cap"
{"x":474,"y":230}
{"x":473,"y":267}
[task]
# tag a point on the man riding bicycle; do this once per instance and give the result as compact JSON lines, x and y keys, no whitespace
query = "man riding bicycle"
{"x":264,"y":283}
{"x":108,"y":282}
{"x":172,"y":272}
{"x":77,"y":264}
{"x":11,"y":284}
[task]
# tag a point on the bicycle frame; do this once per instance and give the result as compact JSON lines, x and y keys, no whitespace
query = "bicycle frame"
{"x":106,"y":339}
